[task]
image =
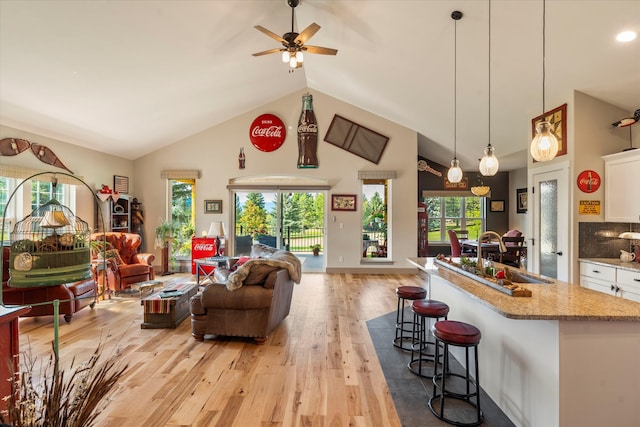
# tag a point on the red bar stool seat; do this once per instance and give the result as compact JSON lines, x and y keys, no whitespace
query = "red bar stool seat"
{"x":404,"y":329}
{"x":423,"y":310}
{"x":460,"y":334}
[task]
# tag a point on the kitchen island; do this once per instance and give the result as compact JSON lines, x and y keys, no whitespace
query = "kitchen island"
{"x":565,"y":356}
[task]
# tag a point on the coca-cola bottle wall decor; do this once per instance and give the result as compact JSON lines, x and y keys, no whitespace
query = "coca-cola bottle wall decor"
{"x":307,"y":135}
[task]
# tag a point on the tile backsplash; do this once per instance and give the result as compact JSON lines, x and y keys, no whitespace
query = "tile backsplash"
{"x":600,"y":239}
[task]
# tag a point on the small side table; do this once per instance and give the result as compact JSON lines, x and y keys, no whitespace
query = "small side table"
{"x":219,"y":261}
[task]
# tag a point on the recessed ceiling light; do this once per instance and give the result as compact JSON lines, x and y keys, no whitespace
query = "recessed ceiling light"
{"x":626,"y":36}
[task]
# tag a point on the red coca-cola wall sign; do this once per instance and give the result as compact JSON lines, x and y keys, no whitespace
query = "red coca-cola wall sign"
{"x":267,"y":132}
{"x":588,"y":181}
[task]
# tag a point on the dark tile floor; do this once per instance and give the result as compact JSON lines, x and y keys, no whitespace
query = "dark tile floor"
{"x":410,"y":393}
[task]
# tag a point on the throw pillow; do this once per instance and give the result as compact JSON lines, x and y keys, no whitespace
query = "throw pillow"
{"x":239,"y":263}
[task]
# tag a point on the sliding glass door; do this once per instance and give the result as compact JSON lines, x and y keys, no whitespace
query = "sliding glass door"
{"x":285,"y":219}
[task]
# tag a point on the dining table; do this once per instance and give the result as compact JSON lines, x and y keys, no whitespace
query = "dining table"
{"x":471,"y":247}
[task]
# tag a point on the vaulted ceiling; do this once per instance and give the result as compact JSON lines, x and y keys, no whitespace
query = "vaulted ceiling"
{"x":128,"y":77}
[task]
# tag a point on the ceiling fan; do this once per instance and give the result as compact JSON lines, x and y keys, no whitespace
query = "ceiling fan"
{"x":294,"y":43}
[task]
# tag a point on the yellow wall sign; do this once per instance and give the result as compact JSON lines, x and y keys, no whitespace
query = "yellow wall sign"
{"x":589,"y":207}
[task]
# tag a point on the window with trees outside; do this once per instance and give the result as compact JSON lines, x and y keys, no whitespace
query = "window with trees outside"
{"x":291,"y":220}
{"x":35,"y":193}
{"x":455,"y":213}
{"x":374,"y":218}
{"x":182,"y":215}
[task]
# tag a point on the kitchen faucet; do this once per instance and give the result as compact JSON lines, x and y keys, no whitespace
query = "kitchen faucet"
{"x":489,"y":234}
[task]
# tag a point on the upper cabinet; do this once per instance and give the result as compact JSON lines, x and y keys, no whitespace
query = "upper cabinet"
{"x":621,"y":192}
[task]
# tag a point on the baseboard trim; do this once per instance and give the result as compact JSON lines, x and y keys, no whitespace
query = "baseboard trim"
{"x":371,"y":270}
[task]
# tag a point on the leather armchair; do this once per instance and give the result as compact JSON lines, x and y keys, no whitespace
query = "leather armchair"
{"x":130,"y":266}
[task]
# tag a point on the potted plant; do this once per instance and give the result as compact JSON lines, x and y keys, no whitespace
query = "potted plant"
{"x":165,"y":234}
{"x":316,"y":249}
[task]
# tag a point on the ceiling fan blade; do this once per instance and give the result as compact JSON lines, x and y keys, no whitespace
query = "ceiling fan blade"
{"x":307,"y":33}
{"x":266,"y":52}
{"x":320,"y":50}
{"x":270,"y":34}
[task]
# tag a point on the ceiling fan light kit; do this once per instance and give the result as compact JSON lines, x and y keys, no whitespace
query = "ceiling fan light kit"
{"x":544,"y":146}
{"x":454,"y":174}
{"x":294,"y":43}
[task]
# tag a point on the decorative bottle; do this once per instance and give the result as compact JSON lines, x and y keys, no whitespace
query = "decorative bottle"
{"x":241,"y":158}
{"x":307,"y":135}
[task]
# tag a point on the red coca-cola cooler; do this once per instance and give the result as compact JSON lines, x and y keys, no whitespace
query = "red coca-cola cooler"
{"x":202,"y":247}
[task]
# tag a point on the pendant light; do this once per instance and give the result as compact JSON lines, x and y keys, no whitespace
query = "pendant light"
{"x":544,"y":146}
{"x":455,"y":173}
{"x":489,"y":163}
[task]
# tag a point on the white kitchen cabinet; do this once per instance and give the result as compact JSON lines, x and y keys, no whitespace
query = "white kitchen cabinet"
{"x":610,"y":280}
{"x":598,"y":277}
{"x":621,"y":194}
{"x":629,"y":284}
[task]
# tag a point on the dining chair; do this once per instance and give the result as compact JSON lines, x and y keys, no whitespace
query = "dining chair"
{"x":456,"y":248}
{"x":514,"y":248}
{"x":462,"y":234}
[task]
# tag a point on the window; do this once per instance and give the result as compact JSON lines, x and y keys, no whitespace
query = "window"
{"x":7,"y":186}
{"x":182,"y":214}
{"x":374,"y":218}
{"x":42,"y":192}
{"x":35,"y":193}
{"x":454,"y":213}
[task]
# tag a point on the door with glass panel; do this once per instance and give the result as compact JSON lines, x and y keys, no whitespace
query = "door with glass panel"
{"x":291,"y":220}
{"x":549,"y":249}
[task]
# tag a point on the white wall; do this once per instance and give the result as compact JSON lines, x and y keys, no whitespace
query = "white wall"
{"x":215,"y":151}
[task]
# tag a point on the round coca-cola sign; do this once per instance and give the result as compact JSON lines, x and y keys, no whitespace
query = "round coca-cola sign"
{"x":267,"y":132}
{"x":588,"y":181}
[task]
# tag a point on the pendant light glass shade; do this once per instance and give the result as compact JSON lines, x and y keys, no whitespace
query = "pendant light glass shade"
{"x":544,"y":146}
{"x":455,"y":173}
{"x":480,"y":190}
{"x":489,"y":164}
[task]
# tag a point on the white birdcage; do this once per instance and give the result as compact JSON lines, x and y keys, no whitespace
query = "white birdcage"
{"x":49,"y":247}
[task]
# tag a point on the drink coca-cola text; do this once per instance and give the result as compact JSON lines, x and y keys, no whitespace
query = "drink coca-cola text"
{"x":203,"y":246}
{"x":268,"y":132}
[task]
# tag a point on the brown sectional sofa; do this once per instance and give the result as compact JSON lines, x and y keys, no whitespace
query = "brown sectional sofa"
{"x":256,"y":305}
{"x":73,"y":296}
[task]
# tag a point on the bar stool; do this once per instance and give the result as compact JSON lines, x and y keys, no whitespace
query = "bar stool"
{"x":403,"y":332}
{"x":460,"y":334}
{"x":423,"y":310}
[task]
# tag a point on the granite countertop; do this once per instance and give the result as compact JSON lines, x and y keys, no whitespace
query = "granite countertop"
{"x":614,"y":262}
{"x":557,"y":301}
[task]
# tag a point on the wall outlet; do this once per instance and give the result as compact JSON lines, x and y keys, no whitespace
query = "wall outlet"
{"x":340,"y":259}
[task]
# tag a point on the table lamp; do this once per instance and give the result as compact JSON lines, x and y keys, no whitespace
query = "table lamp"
{"x":216,"y":229}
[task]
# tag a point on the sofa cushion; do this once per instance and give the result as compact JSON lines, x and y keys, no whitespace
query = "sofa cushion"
{"x":128,"y":270}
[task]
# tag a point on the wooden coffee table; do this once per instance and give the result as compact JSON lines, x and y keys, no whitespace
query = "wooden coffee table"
{"x":167,"y":312}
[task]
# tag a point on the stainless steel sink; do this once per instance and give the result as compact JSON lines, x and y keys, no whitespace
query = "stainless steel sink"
{"x":521,"y":277}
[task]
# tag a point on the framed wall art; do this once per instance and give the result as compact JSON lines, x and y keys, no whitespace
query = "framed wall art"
{"x":343,"y":202}
{"x":558,"y":120}
{"x":497,"y":206}
{"x":121,"y":184}
{"x":356,"y":139}
{"x":521,"y":199}
{"x":213,"y":206}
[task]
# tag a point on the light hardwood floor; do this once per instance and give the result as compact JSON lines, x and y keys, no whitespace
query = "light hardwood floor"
{"x":318,"y":368}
